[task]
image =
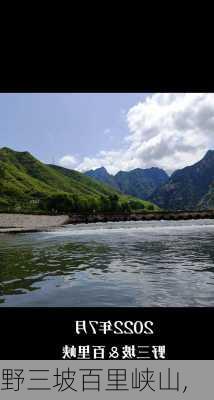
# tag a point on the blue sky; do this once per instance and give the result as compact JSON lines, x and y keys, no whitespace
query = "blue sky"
{"x":52,"y":125}
{"x":120,"y":131}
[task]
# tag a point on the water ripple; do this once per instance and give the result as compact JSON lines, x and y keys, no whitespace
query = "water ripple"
{"x":161,"y":263}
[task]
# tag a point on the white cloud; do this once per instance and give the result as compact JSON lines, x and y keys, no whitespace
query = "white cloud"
{"x":167,"y":130}
{"x":68,"y":161}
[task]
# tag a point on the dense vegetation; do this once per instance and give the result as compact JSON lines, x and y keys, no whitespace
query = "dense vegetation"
{"x":28,"y":185}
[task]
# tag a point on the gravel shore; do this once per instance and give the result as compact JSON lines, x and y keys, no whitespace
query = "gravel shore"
{"x":30,"y":223}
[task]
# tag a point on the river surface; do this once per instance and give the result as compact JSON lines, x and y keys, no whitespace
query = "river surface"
{"x":146,"y":263}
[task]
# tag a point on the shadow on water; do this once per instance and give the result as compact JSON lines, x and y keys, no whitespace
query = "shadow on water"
{"x":20,"y":268}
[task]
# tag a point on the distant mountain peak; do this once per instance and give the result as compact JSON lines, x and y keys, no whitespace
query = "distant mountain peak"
{"x":137,"y":182}
{"x":102,"y":175}
{"x":148,"y":169}
{"x":209,"y":155}
{"x":101,"y":169}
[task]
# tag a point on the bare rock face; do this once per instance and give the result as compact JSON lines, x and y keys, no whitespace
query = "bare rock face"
{"x":187,"y":187}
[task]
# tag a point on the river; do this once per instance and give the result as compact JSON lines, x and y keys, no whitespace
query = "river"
{"x":145,"y":263}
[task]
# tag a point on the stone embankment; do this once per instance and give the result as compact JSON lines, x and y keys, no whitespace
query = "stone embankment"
{"x":146,"y":216}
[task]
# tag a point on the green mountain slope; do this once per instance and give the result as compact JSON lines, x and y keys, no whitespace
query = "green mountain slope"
{"x":27,"y":184}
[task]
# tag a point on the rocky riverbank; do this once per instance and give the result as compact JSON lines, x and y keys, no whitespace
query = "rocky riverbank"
{"x":12,"y":223}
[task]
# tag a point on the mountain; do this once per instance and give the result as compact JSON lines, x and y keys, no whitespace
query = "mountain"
{"x":26,"y":184}
{"x":188,"y":186}
{"x":207,"y":201}
{"x":102,"y":175}
{"x":138,"y":182}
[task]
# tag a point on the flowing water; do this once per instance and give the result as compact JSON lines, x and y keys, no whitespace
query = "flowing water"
{"x":154,"y":263}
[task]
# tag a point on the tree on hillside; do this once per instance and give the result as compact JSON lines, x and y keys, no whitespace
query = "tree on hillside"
{"x":59,"y":202}
{"x":114,"y":199}
{"x":136,"y":205}
{"x":125,"y":207}
{"x":105,"y":204}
